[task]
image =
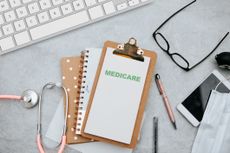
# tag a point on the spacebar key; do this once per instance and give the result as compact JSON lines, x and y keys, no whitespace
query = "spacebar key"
{"x":59,"y":25}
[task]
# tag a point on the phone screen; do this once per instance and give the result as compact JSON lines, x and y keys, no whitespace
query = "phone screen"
{"x":197,"y":101}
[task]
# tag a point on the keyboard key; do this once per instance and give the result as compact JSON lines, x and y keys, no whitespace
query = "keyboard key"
{"x":57,"y":2}
{"x":96,"y":12}
{"x":133,"y":2}
{"x":22,"y":38}
{"x":15,"y":3}
{"x":45,"y":4}
{"x":7,"y":29}
{"x":122,"y":6}
{"x":21,"y":12}
{"x":10,"y":16}
{"x":78,"y":5}
{"x":66,"y":9}
{"x":6,"y":43}
{"x":31,"y":21}
{"x":3,"y":6}
{"x":1,"y":19}
{"x":109,"y":7}
{"x":43,"y":17}
{"x":90,"y":2}
{"x":19,"y":25}
{"x":33,"y":8}
{"x":59,"y":25}
{"x":54,"y":13}
{"x":26,"y":1}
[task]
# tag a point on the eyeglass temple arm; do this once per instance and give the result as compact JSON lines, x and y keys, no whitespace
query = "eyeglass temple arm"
{"x":211,"y":51}
{"x":174,"y":15}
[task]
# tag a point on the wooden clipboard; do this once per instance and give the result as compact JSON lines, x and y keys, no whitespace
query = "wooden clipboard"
{"x":136,"y":131}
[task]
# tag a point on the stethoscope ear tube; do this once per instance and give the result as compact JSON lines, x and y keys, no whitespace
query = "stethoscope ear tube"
{"x":62,"y":143}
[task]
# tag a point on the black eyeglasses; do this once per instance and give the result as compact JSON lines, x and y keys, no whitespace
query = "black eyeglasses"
{"x":178,"y":59}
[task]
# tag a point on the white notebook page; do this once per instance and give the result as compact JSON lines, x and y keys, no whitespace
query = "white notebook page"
{"x":92,"y":64}
{"x":117,"y":98}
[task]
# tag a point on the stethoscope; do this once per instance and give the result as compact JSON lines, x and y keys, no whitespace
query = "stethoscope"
{"x":39,"y":125}
{"x":29,"y":98}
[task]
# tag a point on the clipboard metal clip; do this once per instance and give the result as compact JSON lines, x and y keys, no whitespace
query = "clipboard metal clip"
{"x":130,"y":49}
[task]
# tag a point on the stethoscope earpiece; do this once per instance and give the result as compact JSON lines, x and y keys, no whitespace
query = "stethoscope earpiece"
{"x":30,"y":98}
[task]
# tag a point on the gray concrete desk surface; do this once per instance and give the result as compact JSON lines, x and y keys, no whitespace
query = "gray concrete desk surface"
{"x":195,"y":31}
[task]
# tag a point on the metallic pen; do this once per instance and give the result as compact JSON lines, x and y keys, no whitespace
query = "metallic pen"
{"x":166,"y":100}
{"x":155,"y":135}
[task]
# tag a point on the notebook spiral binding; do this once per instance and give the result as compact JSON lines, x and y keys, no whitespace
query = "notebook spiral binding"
{"x":81,"y":90}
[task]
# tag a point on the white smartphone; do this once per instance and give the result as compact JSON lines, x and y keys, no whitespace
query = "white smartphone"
{"x":193,"y":107}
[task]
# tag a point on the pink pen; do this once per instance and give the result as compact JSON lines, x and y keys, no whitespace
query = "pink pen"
{"x":166,"y":100}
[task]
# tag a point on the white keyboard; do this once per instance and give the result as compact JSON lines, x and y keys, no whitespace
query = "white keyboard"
{"x":24,"y":22}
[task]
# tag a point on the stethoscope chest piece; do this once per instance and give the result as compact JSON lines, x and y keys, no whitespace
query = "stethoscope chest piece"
{"x":29,"y":98}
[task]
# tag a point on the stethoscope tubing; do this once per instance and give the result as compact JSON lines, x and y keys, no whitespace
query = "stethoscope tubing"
{"x":61,"y":149}
{"x":39,"y":135}
{"x":10,"y":97}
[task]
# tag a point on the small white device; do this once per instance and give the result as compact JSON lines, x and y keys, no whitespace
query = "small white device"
{"x":193,"y":107}
{"x":24,"y":22}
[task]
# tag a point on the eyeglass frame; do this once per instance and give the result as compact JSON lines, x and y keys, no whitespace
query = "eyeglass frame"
{"x":155,"y":33}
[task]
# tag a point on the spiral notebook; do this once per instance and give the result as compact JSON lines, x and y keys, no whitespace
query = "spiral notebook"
{"x":74,"y":72}
{"x":91,"y":58}
{"x":119,"y":93}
